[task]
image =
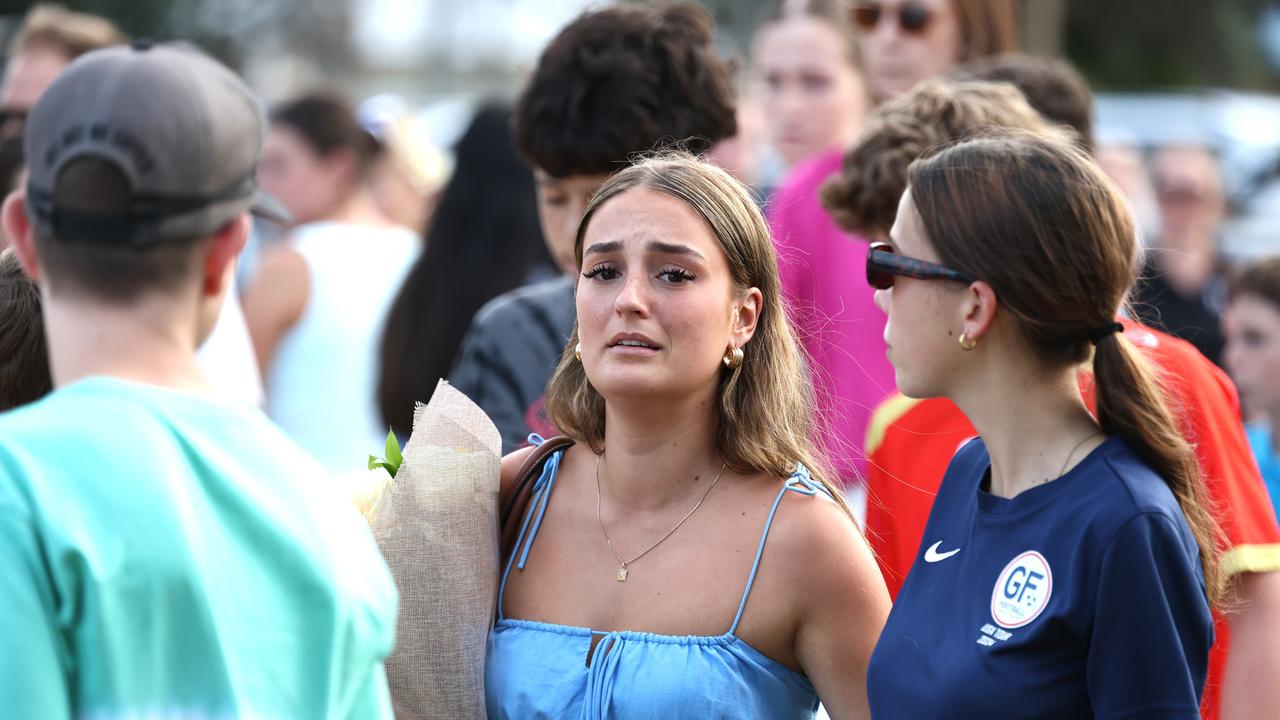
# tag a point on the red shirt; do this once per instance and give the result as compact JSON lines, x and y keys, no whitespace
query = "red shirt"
{"x":911,"y":442}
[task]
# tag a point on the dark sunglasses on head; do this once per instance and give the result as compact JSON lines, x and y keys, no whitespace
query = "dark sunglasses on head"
{"x":912,"y":17}
{"x":884,"y":264}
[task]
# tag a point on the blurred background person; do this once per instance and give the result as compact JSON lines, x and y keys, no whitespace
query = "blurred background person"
{"x":317,"y":304}
{"x":1252,"y":354}
{"x":615,"y":82}
{"x":808,"y":78}
{"x":1121,"y":157}
{"x":906,"y":41}
{"x":483,"y":240}
{"x":837,"y":319}
{"x":1182,"y":289}
{"x":24,"y":354}
{"x":1052,"y":87}
{"x":410,"y":170}
{"x":48,"y":40}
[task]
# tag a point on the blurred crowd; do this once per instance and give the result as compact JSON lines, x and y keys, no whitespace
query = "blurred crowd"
{"x":392,"y":263}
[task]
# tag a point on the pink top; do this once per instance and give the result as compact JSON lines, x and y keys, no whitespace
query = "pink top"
{"x":832,"y":310}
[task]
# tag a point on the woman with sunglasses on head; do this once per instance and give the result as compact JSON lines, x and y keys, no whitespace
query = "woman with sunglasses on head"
{"x":906,"y":41}
{"x":901,"y":42}
{"x":687,"y":556}
{"x":1070,"y":561}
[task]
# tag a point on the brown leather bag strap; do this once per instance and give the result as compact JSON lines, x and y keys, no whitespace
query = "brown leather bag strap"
{"x":514,"y":508}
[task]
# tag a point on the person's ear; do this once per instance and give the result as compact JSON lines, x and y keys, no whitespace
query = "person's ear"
{"x":219,"y":263}
{"x":17,"y":228}
{"x":746,"y":316}
{"x":979,"y":310}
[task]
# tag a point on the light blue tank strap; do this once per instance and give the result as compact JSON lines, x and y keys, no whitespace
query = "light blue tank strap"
{"x":541,"y":495}
{"x":800,"y":482}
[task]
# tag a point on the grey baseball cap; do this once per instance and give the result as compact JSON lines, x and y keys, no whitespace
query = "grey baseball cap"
{"x":135,"y":145}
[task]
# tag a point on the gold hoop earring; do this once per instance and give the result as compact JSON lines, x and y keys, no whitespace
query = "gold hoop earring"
{"x":966,"y":344}
{"x":733,"y":358}
{"x":577,"y":352}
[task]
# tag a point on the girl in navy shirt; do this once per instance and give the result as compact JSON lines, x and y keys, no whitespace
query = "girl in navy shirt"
{"x":1068,"y":563}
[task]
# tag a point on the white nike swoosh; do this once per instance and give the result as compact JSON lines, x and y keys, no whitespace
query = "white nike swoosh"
{"x":932,"y":555}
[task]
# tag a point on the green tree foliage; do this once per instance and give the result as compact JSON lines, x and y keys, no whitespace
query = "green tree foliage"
{"x":1137,"y":44}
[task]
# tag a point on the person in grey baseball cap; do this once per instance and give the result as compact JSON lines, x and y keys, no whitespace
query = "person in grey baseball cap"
{"x":164,"y":552}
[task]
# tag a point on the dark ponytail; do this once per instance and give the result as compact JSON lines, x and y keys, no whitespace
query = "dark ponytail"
{"x":1132,"y":405}
{"x":1033,"y":216}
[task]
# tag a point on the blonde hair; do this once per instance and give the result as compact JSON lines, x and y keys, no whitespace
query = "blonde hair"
{"x":71,"y":33}
{"x":766,"y":405}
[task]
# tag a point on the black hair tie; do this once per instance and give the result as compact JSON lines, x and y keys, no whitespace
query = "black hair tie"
{"x":1101,"y":333}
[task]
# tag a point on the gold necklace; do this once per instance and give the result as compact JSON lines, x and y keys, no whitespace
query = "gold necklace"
{"x":622,"y":564}
{"x":1073,"y":452}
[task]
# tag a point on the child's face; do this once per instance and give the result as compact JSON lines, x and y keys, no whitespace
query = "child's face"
{"x":1252,"y":326}
{"x":561,"y":202}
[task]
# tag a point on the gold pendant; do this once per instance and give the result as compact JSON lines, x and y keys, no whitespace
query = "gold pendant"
{"x":622,"y":574}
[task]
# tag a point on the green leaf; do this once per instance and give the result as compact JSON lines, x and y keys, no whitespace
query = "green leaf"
{"x":393,"y":451}
{"x":394,"y":458}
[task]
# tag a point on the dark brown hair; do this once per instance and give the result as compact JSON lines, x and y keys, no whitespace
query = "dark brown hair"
{"x":328,"y":124}
{"x":1035,"y":218}
{"x":1053,"y":87}
{"x":1259,"y":279}
{"x":621,"y":81}
{"x":476,"y":249}
{"x":863,"y":197}
{"x":24,"y":357}
{"x":987,"y":27}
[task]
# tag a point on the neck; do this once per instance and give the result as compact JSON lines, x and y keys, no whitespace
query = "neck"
{"x":658,"y":454}
{"x":148,"y":341}
{"x":359,"y":208}
{"x":1035,"y":425}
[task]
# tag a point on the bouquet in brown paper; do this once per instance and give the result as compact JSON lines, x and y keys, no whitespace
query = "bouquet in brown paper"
{"x":436,"y":524}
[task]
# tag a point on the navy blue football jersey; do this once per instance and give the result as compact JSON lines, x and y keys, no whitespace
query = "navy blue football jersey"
{"x":1079,"y":598}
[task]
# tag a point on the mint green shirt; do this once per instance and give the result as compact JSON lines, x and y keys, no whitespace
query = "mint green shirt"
{"x":167,"y":556}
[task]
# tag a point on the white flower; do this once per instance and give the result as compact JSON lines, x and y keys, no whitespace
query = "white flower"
{"x":367,"y":488}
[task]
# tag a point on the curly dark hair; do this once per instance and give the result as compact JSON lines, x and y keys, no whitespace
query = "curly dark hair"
{"x":864,"y":196}
{"x":621,"y":81}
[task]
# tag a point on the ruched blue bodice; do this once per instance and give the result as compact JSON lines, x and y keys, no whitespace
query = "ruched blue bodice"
{"x":538,"y":670}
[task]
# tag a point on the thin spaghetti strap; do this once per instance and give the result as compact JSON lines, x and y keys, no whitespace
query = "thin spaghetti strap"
{"x":801,"y":483}
{"x":537,"y":508}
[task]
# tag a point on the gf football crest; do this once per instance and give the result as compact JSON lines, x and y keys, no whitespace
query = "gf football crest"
{"x":1022,"y":591}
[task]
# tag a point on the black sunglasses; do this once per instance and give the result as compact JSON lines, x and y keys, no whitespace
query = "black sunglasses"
{"x":912,"y":17}
{"x":884,"y":264}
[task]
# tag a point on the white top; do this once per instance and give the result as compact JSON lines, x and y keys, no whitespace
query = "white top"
{"x":322,"y":385}
{"x":227,"y":358}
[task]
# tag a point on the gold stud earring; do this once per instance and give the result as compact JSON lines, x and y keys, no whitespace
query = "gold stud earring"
{"x":733,"y":358}
{"x":577,"y":352}
{"x":966,"y":344}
